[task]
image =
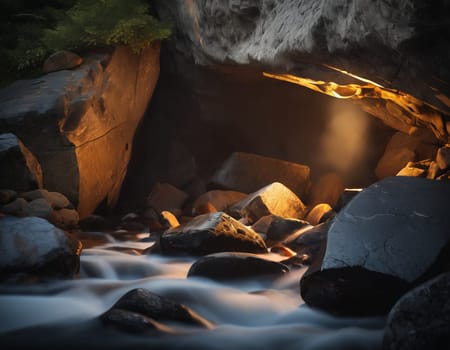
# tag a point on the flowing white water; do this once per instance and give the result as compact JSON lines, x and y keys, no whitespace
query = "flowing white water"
{"x":249,"y":314}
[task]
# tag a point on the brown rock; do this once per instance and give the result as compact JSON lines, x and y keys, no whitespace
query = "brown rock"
{"x":247,"y":173}
{"x":169,"y":220}
{"x":86,"y":148}
{"x":433,"y":170}
{"x":317,"y":213}
{"x":393,"y":161}
{"x":326,"y":190}
{"x":403,"y":148}
{"x":7,"y":196}
{"x":443,"y":157}
{"x":61,"y":60}
{"x":16,"y":207}
{"x":274,"y":199}
{"x":38,"y":207}
{"x":412,"y":171}
{"x":216,"y":200}
{"x":57,"y":200}
{"x":281,"y":249}
{"x":64,"y":218}
{"x":211,"y":233}
{"x":166,"y":197}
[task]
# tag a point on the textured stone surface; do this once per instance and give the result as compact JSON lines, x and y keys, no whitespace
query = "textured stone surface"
{"x":211,"y":233}
{"x":33,"y":245}
{"x":166,"y":197}
{"x":64,"y":218}
{"x":217,"y":199}
{"x":403,"y":148}
{"x":143,"y":302}
{"x":443,"y":158}
{"x":393,"y":161}
{"x":326,"y":189}
{"x":274,"y":199}
{"x":16,"y":164}
{"x":248,"y":173}
{"x":319,"y":214}
{"x":226,"y":266}
{"x":372,"y":247}
{"x":393,"y":44}
{"x":38,"y":207}
{"x":379,"y":229}
{"x":57,"y":200}
{"x":421,"y":318}
{"x":80,"y":124}
{"x":61,"y":60}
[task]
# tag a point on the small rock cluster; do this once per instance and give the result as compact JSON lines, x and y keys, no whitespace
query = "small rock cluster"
{"x":52,"y":206}
{"x":437,"y":169}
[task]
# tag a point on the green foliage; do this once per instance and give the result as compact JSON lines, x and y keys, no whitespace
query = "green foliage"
{"x":30,"y":30}
{"x":105,"y":23}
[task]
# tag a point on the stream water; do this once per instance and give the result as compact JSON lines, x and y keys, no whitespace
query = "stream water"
{"x":248,"y":314}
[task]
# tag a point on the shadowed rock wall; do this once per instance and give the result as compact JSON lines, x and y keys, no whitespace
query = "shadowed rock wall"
{"x":80,"y":124}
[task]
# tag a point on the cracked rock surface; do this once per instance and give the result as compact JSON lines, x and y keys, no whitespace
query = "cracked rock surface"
{"x":397,"y":226}
{"x":390,"y":237}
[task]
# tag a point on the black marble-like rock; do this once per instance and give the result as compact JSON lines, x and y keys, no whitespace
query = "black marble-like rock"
{"x":421,"y":318}
{"x":393,"y":235}
{"x":140,"y":310}
{"x":229,"y":266}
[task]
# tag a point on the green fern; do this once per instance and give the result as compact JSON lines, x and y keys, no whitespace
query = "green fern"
{"x":31,"y":32}
{"x":104,"y":23}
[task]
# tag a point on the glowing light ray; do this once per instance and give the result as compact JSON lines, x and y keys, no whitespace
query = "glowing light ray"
{"x":412,"y":108}
{"x":353,"y":75}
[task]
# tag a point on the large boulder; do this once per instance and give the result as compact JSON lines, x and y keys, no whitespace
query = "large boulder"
{"x":421,"y":318}
{"x":248,"y":173}
{"x":33,"y":247}
{"x":86,"y":121}
{"x":211,"y":233}
{"x":390,"y":236}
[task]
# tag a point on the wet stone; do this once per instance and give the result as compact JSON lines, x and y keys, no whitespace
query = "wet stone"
{"x":230,"y":266}
{"x":211,"y":233}
{"x":145,"y":307}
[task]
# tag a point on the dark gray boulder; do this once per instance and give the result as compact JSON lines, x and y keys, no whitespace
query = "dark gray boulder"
{"x":32,"y":247}
{"x":140,"y":310}
{"x":421,"y":318}
{"x":390,"y":237}
{"x":211,"y":233}
{"x":230,"y":266}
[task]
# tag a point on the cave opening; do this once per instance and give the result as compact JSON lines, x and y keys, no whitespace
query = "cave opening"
{"x":200,"y":115}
